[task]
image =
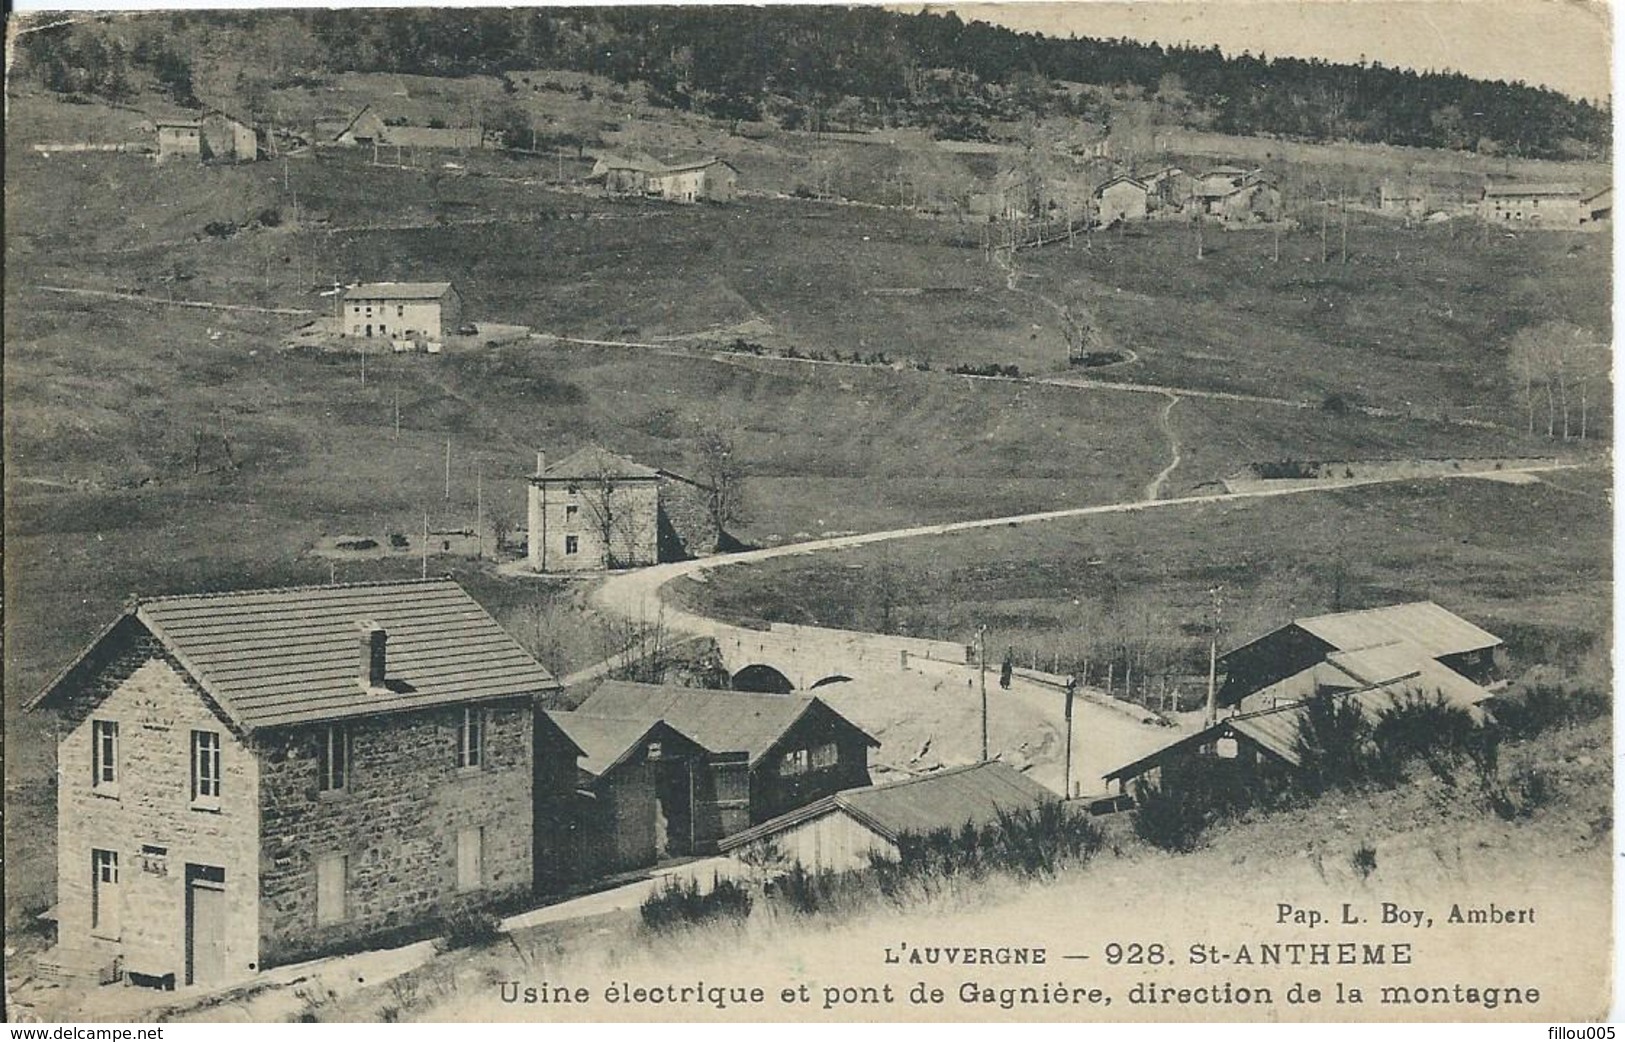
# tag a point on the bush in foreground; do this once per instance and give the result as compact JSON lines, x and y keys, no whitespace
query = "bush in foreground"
{"x":681,"y":901}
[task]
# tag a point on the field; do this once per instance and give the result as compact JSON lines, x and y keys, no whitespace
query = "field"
{"x":1071,"y":588}
{"x":153,"y":449}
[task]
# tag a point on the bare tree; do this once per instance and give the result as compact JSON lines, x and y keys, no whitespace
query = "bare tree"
{"x":724,"y":480}
{"x":1561,"y":364}
{"x":613,"y":514}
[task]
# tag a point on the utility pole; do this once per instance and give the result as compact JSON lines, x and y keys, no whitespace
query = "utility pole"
{"x":1342,"y":205}
{"x":479,"y":508}
{"x":448,"y":470}
{"x":425,"y":573}
{"x":1213,"y":657}
{"x":981,"y":668}
{"x":1066,"y":771}
{"x":397,"y":412}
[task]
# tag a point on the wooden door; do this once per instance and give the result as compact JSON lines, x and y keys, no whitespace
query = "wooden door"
{"x":205,"y":924}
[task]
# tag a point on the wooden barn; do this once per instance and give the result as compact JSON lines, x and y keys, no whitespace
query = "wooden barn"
{"x":842,"y":831}
{"x":1290,"y":663}
{"x":789,"y":749}
{"x":634,"y":795}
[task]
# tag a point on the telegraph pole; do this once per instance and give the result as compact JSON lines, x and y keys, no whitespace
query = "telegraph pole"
{"x":1066,"y":771}
{"x":448,"y":470}
{"x":479,"y":507}
{"x":1213,"y":657}
{"x":981,"y":668}
{"x":425,"y":573}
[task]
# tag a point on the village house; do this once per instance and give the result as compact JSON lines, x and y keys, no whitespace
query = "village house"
{"x":709,"y":179}
{"x":211,"y":136}
{"x":1170,"y":189}
{"x":425,"y":311}
{"x":1417,"y":640}
{"x":252,"y":778}
{"x":1122,"y":199}
{"x":595,"y":510}
{"x":842,"y":831}
{"x":631,"y":803}
{"x":363,"y":128}
{"x":789,"y":750}
{"x":1543,"y":205}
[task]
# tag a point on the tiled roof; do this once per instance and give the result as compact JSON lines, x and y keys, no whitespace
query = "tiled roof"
{"x":605,"y":741}
{"x":397,"y":291}
{"x":1524,"y":191}
{"x":950,"y":799}
{"x":1423,"y":623}
{"x":293,"y":656}
{"x":593,"y":462}
{"x":722,"y":721}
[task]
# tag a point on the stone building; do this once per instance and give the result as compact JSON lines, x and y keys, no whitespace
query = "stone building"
{"x":595,"y":510}
{"x":210,"y":136}
{"x":1535,"y":205}
{"x":251,"y":778}
{"x":1122,"y":199}
{"x":709,"y":179}
{"x":402,"y":310}
{"x":180,"y":138}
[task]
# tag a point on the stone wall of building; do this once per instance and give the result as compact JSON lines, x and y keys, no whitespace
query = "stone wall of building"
{"x":148,"y":818}
{"x":562,"y":512}
{"x":396,"y":822}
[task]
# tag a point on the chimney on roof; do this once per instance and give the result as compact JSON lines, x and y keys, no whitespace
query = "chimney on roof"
{"x":541,"y":462}
{"x":373,"y":659}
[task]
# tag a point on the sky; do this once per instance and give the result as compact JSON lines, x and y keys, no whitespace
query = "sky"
{"x":1562,"y":44}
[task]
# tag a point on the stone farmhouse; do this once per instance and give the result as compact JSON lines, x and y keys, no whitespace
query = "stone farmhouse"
{"x":208,"y":137}
{"x":843,"y":831}
{"x":595,"y":510}
{"x":770,"y":753}
{"x":703,"y":180}
{"x":251,"y":778}
{"x":427,"y":311}
{"x":1122,"y":199}
{"x":1537,"y":205}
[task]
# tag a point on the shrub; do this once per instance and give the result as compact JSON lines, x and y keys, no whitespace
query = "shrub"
{"x":681,"y":901}
{"x":1333,"y":744}
{"x":467,"y":928}
{"x":1542,"y":702}
{"x":220,"y":229}
{"x":398,"y":541}
{"x":1529,"y":789}
{"x":357,"y":544}
{"x":1430,"y":729}
{"x":1170,"y":818}
{"x":1364,"y":860}
{"x":807,"y":892}
{"x":269,"y":217}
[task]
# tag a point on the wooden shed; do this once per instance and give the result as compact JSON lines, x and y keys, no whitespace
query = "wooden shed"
{"x":843,"y":831}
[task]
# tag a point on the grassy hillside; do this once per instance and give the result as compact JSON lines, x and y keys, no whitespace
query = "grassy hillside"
{"x":1049,"y":588}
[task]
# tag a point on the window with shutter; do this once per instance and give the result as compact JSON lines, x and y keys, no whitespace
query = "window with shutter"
{"x":332,"y":872}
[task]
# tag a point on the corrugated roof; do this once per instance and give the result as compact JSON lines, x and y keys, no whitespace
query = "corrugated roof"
{"x":593,"y":462}
{"x":1437,"y":631}
{"x":398,"y":291}
{"x":292,"y":656}
{"x":974,"y":794}
{"x":722,"y":721}
{"x":604,"y":741}
{"x":1530,"y":190}
{"x":1402,"y":665}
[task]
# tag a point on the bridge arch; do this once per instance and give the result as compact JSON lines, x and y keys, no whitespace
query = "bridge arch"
{"x":762,"y":678}
{"x":837,"y":678}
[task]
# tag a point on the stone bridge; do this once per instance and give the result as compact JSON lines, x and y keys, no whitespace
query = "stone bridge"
{"x":785,"y":657}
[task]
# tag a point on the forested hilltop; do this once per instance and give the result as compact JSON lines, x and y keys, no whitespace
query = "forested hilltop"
{"x":832,"y":68}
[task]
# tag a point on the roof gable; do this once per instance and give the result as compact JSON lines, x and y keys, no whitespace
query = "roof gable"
{"x":974,"y":794}
{"x":721,"y":721}
{"x":292,"y":656}
{"x":592,"y":463}
{"x":607,"y":742}
{"x":397,"y":291}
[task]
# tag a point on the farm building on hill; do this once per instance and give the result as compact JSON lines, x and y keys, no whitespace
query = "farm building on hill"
{"x":363,"y":128}
{"x":252,"y":778}
{"x":631,"y":803}
{"x":795,"y":748}
{"x":1543,"y":205}
{"x":596,"y":510}
{"x":402,"y":310}
{"x":1170,"y":189}
{"x":1339,"y":650}
{"x":709,"y":179}
{"x":842,"y":831}
{"x":1258,"y":749}
{"x":211,"y":136}
{"x":1122,"y":199}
